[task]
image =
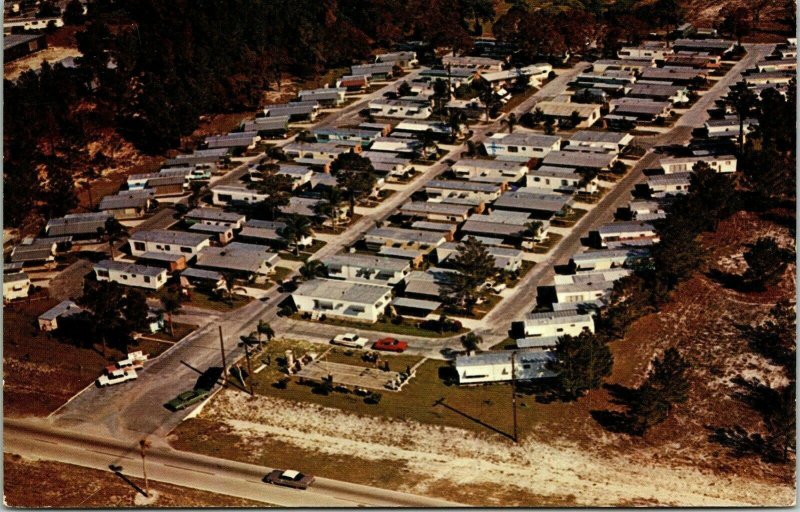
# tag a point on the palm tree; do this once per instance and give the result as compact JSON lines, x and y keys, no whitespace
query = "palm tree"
{"x":471,"y":342}
{"x":171,"y":304}
{"x":510,"y":121}
{"x":742,"y":99}
{"x":113,"y":232}
{"x":297,"y":228}
{"x":264,"y":329}
{"x":532,"y":230}
{"x":428,"y":142}
{"x":312,"y":269}
{"x":456,"y":120}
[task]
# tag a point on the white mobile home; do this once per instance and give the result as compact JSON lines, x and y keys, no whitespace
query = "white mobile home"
{"x":367,"y":268}
{"x":496,"y":366}
{"x":247,"y":259}
{"x":169,"y":242}
{"x":400,"y":109}
{"x":669,"y":184}
{"x":489,"y":171}
{"x":521,"y":146}
{"x":342,"y":299}
{"x":627,"y":233}
{"x":130,"y":274}
{"x":721,"y":163}
{"x":16,"y":286}
{"x":613,"y":142}
{"x":587,"y":287}
{"x":235,"y":195}
{"x":606,"y":259}
{"x":555,"y":323}
{"x":486,"y":192}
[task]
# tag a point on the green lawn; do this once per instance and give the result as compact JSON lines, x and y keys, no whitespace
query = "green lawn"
{"x":569,"y":220}
{"x":490,"y":403}
{"x":180,"y":331}
{"x":204,"y":300}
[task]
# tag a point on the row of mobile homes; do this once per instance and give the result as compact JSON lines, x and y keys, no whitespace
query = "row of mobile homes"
{"x":361,"y":135}
{"x":587,"y":114}
{"x":295,"y":110}
{"x":273,"y":126}
{"x":400,"y":109}
{"x":234,"y":141}
{"x":674,"y":94}
{"x":78,"y":225}
{"x":559,"y":179}
{"x":439,"y":189}
{"x":606,"y":259}
{"x":169,"y":242}
{"x":375,"y":71}
{"x":622,"y":234}
{"x":435,"y":211}
{"x":329,"y":96}
{"x":538,"y":203}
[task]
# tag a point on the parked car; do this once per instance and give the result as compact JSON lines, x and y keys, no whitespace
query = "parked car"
{"x":186,"y":399}
{"x":350,"y":340}
{"x":116,"y":375}
{"x":390,"y":345}
{"x":289,"y":478}
{"x":499,"y":287}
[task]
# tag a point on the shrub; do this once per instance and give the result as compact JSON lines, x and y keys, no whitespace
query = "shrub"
{"x":373,"y":398}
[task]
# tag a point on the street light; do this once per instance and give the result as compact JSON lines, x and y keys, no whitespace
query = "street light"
{"x":144,"y":444}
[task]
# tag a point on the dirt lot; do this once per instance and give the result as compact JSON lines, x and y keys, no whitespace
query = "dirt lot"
{"x":40,"y":372}
{"x":36,"y":484}
{"x":566,"y":456}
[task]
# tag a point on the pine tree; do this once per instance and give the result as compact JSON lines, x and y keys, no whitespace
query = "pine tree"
{"x":582,"y":363}
{"x":766,"y":262}
{"x":668,"y":377}
{"x":474,"y":266}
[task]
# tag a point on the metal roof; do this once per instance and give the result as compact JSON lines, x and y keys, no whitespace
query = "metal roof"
{"x":557,"y":317}
{"x":463,"y":185}
{"x":130,"y":268}
{"x":407,"y":302}
{"x":199,"y":273}
{"x":405,"y":235}
{"x":360,"y":293}
{"x":367,"y":261}
{"x":520,"y":199}
{"x":63,"y":308}
{"x":214,"y":214}
{"x":169,"y":237}
{"x":77,"y":224}
{"x":577,"y":159}
{"x":236,"y":256}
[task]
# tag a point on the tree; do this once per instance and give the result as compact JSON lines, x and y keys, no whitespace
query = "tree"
{"x":533,"y":230}
{"x":549,"y":126}
{"x":113,"y":232}
{"x":510,"y":121}
{"x":668,"y":377}
{"x":331,"y":206}
{"x":103,"y":300}
{"x":775,"y":337}
{"x":403,"y":89}
{"x":73,"y":13}
{"x":712,"y":195}
{"x":297,"y":228}
{"x":356,"y":185}
{"x":171,"y":304}
{"x":47,"y":9}
{"x":582,"y":362}
{"x":278,"y":188}
{"x":441,"y":94}
{"x":766,"y":262}
{"x":312,"y":269}
{"x":60,"y":194}
{"x":471,"y":342}
{"x":537,"y":116}
{"x":574,"y":119}
{"x":265,"y":329}
{"x":647,"y":409}
{"x":736,"y":22}
{"x":474,"y":266}
{"x":677,"y":255}
{"x":742,"y":99}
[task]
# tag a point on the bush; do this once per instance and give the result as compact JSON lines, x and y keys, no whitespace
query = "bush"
{"x":373,"y":398}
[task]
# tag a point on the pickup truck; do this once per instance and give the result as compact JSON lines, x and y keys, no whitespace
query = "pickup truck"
{"x":186,"y":399}
{"x":350,"y":340}
{"x":116,"y":375}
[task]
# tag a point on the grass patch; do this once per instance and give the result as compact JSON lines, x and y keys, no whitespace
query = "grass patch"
{"x":569,"y":220}
{"x":517,"y":99}
{"x":480,"y":310}
{"x":506,"y":344}
{"x":204,"y":300}
{"x":490,"y":403}
{"x":281,"y":273}
{"x":551,"y":240}
{"x":524,"y":269}
{"x":407,"y":328}
{"x":397,"y":362}
{"x":180,"y":330}
{"x":304,"y":254}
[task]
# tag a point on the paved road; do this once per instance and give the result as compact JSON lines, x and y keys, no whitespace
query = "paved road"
{"x":186,"y":469}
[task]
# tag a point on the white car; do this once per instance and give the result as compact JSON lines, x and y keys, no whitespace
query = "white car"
{"x":350,"y":340}
{"x":116,"y":376}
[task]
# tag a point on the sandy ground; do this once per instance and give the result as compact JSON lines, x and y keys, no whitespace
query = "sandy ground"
{"x":53,"y":54}
{"x":442,"y":457}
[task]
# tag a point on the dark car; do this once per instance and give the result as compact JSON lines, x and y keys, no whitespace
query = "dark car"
{"x":289,"y":478}
{"x":390,"y":345}
{"x":186,"y":399}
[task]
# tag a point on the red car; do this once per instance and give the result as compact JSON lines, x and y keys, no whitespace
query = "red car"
{"x":390,"y":345}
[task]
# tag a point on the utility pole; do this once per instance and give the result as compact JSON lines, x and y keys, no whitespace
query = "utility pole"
{"x":249,"y":368}
{"x":514,"y":394}
{"x":144,"y":444}
{"x":224,"y":366}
